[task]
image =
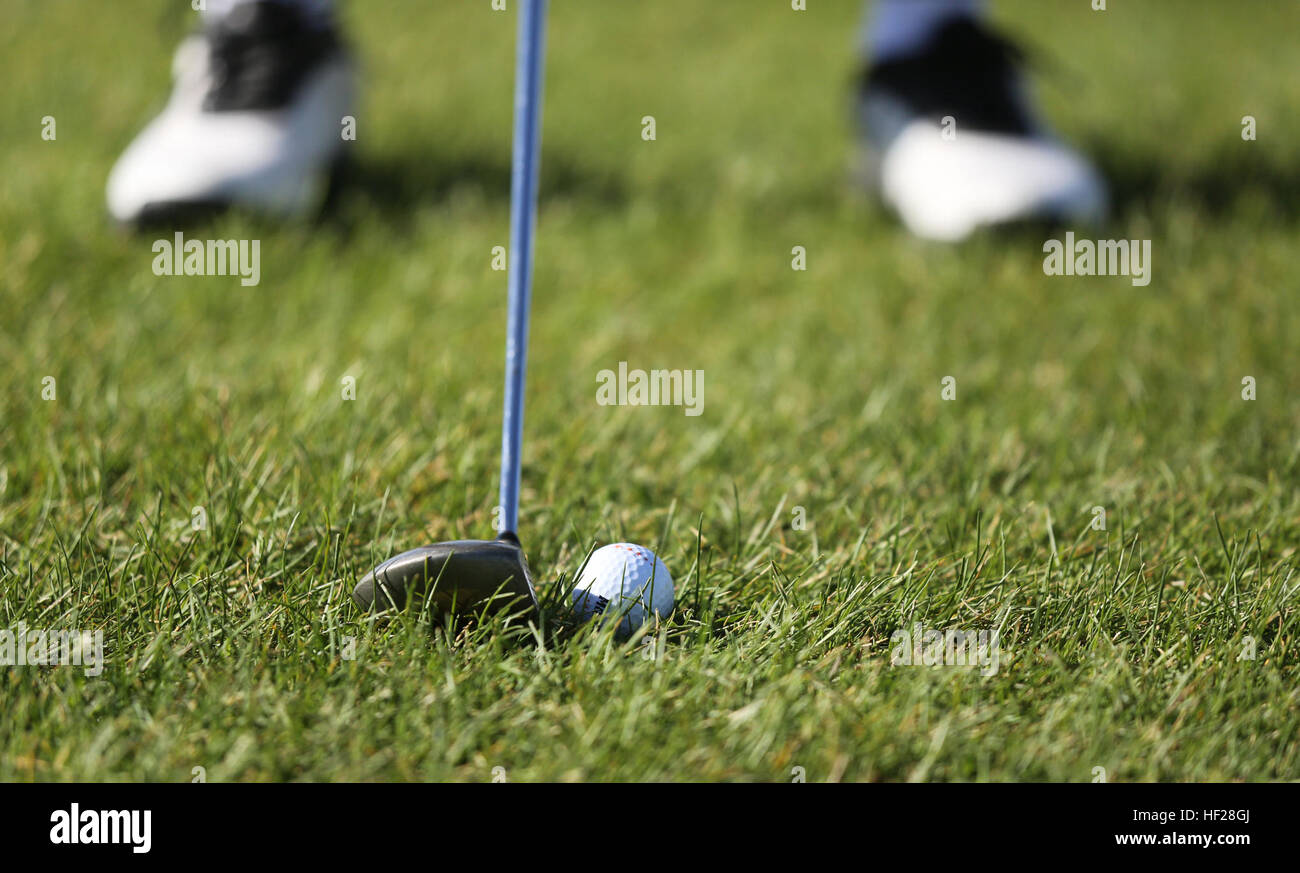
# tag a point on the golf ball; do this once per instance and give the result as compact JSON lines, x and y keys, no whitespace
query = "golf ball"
{"x":626,"y":582}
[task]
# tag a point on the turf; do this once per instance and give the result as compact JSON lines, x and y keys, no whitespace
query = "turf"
{"x":236,"y":649}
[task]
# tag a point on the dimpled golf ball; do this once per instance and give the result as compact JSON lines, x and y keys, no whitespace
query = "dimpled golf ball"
{"x":623,"y":582}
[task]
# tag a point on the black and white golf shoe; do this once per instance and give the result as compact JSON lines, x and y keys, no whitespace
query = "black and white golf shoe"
{"x":952,"y":144}
{"x":255,"y":119}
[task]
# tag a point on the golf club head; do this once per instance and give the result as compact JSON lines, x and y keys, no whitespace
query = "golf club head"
{"x":460,"y":576}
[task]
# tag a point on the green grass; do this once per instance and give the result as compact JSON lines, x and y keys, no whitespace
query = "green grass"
{"x":1120,"y":648}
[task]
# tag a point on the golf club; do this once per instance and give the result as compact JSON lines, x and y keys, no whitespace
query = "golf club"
{"x":476,"y":575}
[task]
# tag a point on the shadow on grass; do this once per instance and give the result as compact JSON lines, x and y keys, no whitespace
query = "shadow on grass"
{"x":396,"y":187}
{"x":1236,"y":176}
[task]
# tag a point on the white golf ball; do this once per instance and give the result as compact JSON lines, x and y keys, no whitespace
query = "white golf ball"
{"x":623,"y":581}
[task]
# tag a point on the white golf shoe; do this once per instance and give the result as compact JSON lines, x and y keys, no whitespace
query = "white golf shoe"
{"x":255,"y":119}
{"x":952,"y":145}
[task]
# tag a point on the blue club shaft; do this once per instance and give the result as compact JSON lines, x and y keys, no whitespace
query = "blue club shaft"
{"x":529,"y":52}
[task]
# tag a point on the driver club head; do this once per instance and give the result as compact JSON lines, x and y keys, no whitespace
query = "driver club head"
{"x":460,"y":576}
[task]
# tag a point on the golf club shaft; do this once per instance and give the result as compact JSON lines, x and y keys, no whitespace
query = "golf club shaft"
{"x":529,"y":52}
